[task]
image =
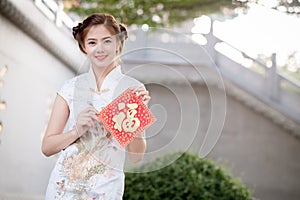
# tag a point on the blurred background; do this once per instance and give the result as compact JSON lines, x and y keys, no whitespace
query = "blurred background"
{"x":224,"y":77}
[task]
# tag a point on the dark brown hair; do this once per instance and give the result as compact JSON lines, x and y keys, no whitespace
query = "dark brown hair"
{"x":115,"y":28}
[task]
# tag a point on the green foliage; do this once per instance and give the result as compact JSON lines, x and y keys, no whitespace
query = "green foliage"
{"x":154,"y":12}
{"x":190,"y":177}
{"x":165,"y":12}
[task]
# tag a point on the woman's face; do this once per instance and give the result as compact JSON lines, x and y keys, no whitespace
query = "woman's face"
{"x":101,"y":46}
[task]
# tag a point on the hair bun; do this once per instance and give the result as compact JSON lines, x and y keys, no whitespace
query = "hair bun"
{"x":123,"y":32}
{"x":76,"y":30}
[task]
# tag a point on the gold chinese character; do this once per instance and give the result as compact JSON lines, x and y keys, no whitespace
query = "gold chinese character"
{"x":131,"y":123}
{"x":118,"y":119}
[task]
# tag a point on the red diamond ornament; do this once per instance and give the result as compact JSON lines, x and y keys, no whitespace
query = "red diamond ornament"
{"x":126,"y":117}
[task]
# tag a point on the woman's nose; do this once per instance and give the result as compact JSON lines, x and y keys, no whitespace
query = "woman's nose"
{"x":99,"y":47}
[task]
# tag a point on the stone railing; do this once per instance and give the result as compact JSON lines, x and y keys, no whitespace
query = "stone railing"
{"x":54,"y":11}
{"x":270,"y":85}
{"x":261,"y":90}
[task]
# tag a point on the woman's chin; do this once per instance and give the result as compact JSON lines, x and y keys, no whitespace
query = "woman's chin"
{"x":103,"y":64}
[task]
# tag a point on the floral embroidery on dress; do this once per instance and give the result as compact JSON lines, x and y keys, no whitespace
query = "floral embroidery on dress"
{"x":60,"y":188}
{"x":86,"y":162}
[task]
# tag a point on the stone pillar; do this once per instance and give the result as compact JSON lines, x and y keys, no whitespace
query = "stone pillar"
{"x":272,"y":80}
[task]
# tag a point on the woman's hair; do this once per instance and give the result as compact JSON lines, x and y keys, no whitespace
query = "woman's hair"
{"x":119,"y":30}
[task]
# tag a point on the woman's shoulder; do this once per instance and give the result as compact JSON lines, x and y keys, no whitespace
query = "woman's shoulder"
{"x":71,"y":81}
{"x":124,"y":83}
{"x":69,"y":85}
{"x":129,"y":81}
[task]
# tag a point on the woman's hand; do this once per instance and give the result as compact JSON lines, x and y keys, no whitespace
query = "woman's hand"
{"x":85,"y":120}
{"x":143,"y":94}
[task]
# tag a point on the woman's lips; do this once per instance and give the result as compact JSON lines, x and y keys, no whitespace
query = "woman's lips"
{"x":101,"y":58}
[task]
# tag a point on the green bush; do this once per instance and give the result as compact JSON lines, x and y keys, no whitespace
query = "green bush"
{"x":189,"y":177}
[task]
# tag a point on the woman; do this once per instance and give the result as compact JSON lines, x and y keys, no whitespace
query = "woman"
{"x":91,"y":162}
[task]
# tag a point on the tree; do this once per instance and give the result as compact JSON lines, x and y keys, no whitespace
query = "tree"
{"x":151,"y":12}
{"x":168,"y":12}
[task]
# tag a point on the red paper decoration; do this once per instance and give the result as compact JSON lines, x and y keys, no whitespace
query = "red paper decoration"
{"x":126,"y":116}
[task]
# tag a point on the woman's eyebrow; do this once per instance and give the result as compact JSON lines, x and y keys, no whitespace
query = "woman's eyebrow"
{"x":107,"y":37}
{"x":104,"y":38}
{"x":91,"y":39}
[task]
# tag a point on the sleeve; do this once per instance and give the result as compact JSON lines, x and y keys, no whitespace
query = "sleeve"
{"x":66,"y":91}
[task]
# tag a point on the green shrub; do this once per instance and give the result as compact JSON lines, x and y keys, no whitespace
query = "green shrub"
{"x":189,"y":177}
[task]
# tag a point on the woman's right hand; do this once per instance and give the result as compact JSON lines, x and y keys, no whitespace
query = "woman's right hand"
{"x":85,"y":120}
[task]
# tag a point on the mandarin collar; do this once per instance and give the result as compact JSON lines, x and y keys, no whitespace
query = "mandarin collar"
{"x":113,"y":75}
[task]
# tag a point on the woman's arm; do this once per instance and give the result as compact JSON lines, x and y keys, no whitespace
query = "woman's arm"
{"x":137,"y":148}
{"x":54,"y":140}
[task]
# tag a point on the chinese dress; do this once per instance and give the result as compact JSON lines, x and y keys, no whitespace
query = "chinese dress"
{"x":91,"y":167}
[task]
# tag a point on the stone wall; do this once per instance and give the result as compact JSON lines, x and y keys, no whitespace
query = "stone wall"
{"x":253,"y":147}
{"x":30,"y":84}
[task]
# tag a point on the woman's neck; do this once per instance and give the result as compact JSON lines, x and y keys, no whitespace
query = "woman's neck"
{"x":100,"y":74}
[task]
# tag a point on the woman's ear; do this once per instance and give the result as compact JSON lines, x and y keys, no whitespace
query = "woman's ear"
{"x":118,"y":47}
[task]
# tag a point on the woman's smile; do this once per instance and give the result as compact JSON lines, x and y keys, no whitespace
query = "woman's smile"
{"x":101,"y":57}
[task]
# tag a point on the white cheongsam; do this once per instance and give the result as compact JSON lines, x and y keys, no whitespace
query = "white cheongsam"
{"x":92,"y":167}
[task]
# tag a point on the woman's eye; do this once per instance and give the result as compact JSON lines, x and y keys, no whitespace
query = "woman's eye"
{"x":107,"y":41}
{"x":91,"y":43}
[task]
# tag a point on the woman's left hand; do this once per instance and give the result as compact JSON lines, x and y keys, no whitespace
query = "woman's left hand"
{"x":143,"y":94}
